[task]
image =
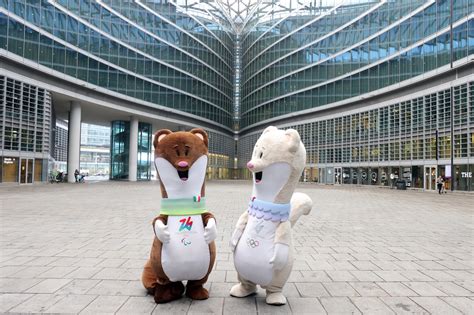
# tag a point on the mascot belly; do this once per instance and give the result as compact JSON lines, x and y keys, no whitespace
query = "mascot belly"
{"x":186,"y":256}
{"x":255,"y":249}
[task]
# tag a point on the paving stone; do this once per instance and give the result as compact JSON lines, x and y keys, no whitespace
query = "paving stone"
{"x":340,"y":289}
{"x":57,"y":272}
{"x":402,"y":305}
{"x":364,"y":265}
{"x":213,"y":305}
{"x":180,"y":306}
{"x":439,"y":275}
{"x":220,"y":289}
{"x":118,"y":274}
{"x":305,"y":306}
{"x":368,"y":289}
{"x":38,"y":303}
{"x":247,"y":305}
{"x":462,"y":304}
{"x":31,"y":271}
{"x":467,"y":284}
{"x":17,"y":261}
{"x":371,"y":305}
{"x":396,"y":289}
{"x":49,"y":286}
{"x":16,"y":285}
{"x":390,"y":275}
{"x":415,"y":275}
{"x":341,"y":275}
{"x":118,"y":287}
{"x":311,"y":290}
{"x":435,"y":305}
{"x":71,"y":304}
{"x":10,"y":300}
{"x":452,"y":289}
{"x":7,"y":271}
{"x":424,"y":289}
{"x":365,"y":275}
{"x":320,"y":265}
{"x":310,"y":276}
{"x":339,"y":305}
{"x":78,"y":286}
{"x":138,"y":305}
{"x":264,"y":308}
{"x":218,"y":276}
{"x":290,"y":290}
{"x":105,"y":304}
{"x":84,"y":272}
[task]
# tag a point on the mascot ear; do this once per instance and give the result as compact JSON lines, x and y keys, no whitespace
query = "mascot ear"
{"x":159,"y":135}
{"x":270,"y":128}
{"x":201,"y":134}
{"x":293,"y":138}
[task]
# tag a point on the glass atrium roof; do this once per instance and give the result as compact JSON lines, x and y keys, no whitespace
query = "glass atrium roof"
{"x":237,"y":15}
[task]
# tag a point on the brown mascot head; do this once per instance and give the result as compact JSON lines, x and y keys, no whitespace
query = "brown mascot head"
{"x":181,"y":162}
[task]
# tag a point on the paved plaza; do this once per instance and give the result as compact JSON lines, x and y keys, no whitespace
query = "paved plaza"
{"x":81,"y":248}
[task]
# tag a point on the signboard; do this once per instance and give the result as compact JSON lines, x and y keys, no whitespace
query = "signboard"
{"x":447,"y":172}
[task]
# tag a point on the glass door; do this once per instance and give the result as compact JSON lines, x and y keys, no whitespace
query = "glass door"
{"x":430,"y":177}
{"x":26,"y":171}
{"x":337,"y":175}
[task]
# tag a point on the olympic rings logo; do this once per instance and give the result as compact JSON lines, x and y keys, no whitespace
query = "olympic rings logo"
{"x":252,"y":243}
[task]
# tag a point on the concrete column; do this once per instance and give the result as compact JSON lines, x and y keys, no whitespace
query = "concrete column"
{"x":133,"y":150}
{"x":74,"y":141}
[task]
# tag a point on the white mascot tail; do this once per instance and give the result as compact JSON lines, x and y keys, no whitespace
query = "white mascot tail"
{"x":301,"y":204}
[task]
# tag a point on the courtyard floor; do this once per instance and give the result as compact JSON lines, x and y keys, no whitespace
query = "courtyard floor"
{"x":80,"y":248}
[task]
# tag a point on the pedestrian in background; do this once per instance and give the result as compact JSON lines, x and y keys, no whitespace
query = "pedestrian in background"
{"x":440,"y":182}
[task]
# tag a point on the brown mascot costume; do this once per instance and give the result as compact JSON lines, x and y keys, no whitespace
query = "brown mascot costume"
{"x":183,"y":248}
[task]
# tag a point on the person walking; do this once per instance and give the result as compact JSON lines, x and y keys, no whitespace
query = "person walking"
{"x":440,"y":182}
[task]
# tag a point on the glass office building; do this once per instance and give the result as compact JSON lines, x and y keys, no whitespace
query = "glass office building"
{"x":25,"y":126}
{"x":380,"y":90}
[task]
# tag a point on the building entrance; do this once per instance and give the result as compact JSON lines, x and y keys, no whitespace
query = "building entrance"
{"x":26,"y":171}
{"x":430,"y":177}
{"x":337,"y":175}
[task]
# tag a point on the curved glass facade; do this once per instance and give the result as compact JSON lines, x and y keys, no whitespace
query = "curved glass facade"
{"x":345,"y":51}
{"x":144,"y":49}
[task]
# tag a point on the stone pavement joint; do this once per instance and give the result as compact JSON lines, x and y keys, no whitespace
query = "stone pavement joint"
{"x":81,"y":249}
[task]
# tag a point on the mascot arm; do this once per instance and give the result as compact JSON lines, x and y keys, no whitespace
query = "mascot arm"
{"x":161,"y":229}
{"x":210,"y":230}
{"x":239,"y":229}
{"x":282,"y":246}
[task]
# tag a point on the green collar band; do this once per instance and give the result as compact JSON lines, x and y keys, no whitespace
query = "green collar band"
{"x":183,"y":206}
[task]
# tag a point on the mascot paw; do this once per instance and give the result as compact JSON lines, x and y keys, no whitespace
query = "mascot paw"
{"x":210,"y":231}
{"x":239,"y":290}
{"x":168,"y":292}
{"x":197,"y":293}
{"x":280,"y":256}
{"x":161,"y":231}
{"x":235,"y":239}
{"x":275,"y":298}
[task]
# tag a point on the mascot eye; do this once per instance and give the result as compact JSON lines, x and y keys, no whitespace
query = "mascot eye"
{"x":177,"y":152}
{"x":186,"y":151}
{"x":261,"y":154}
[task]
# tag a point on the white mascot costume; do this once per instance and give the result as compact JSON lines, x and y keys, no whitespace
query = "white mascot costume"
{"x":261,"y":242}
